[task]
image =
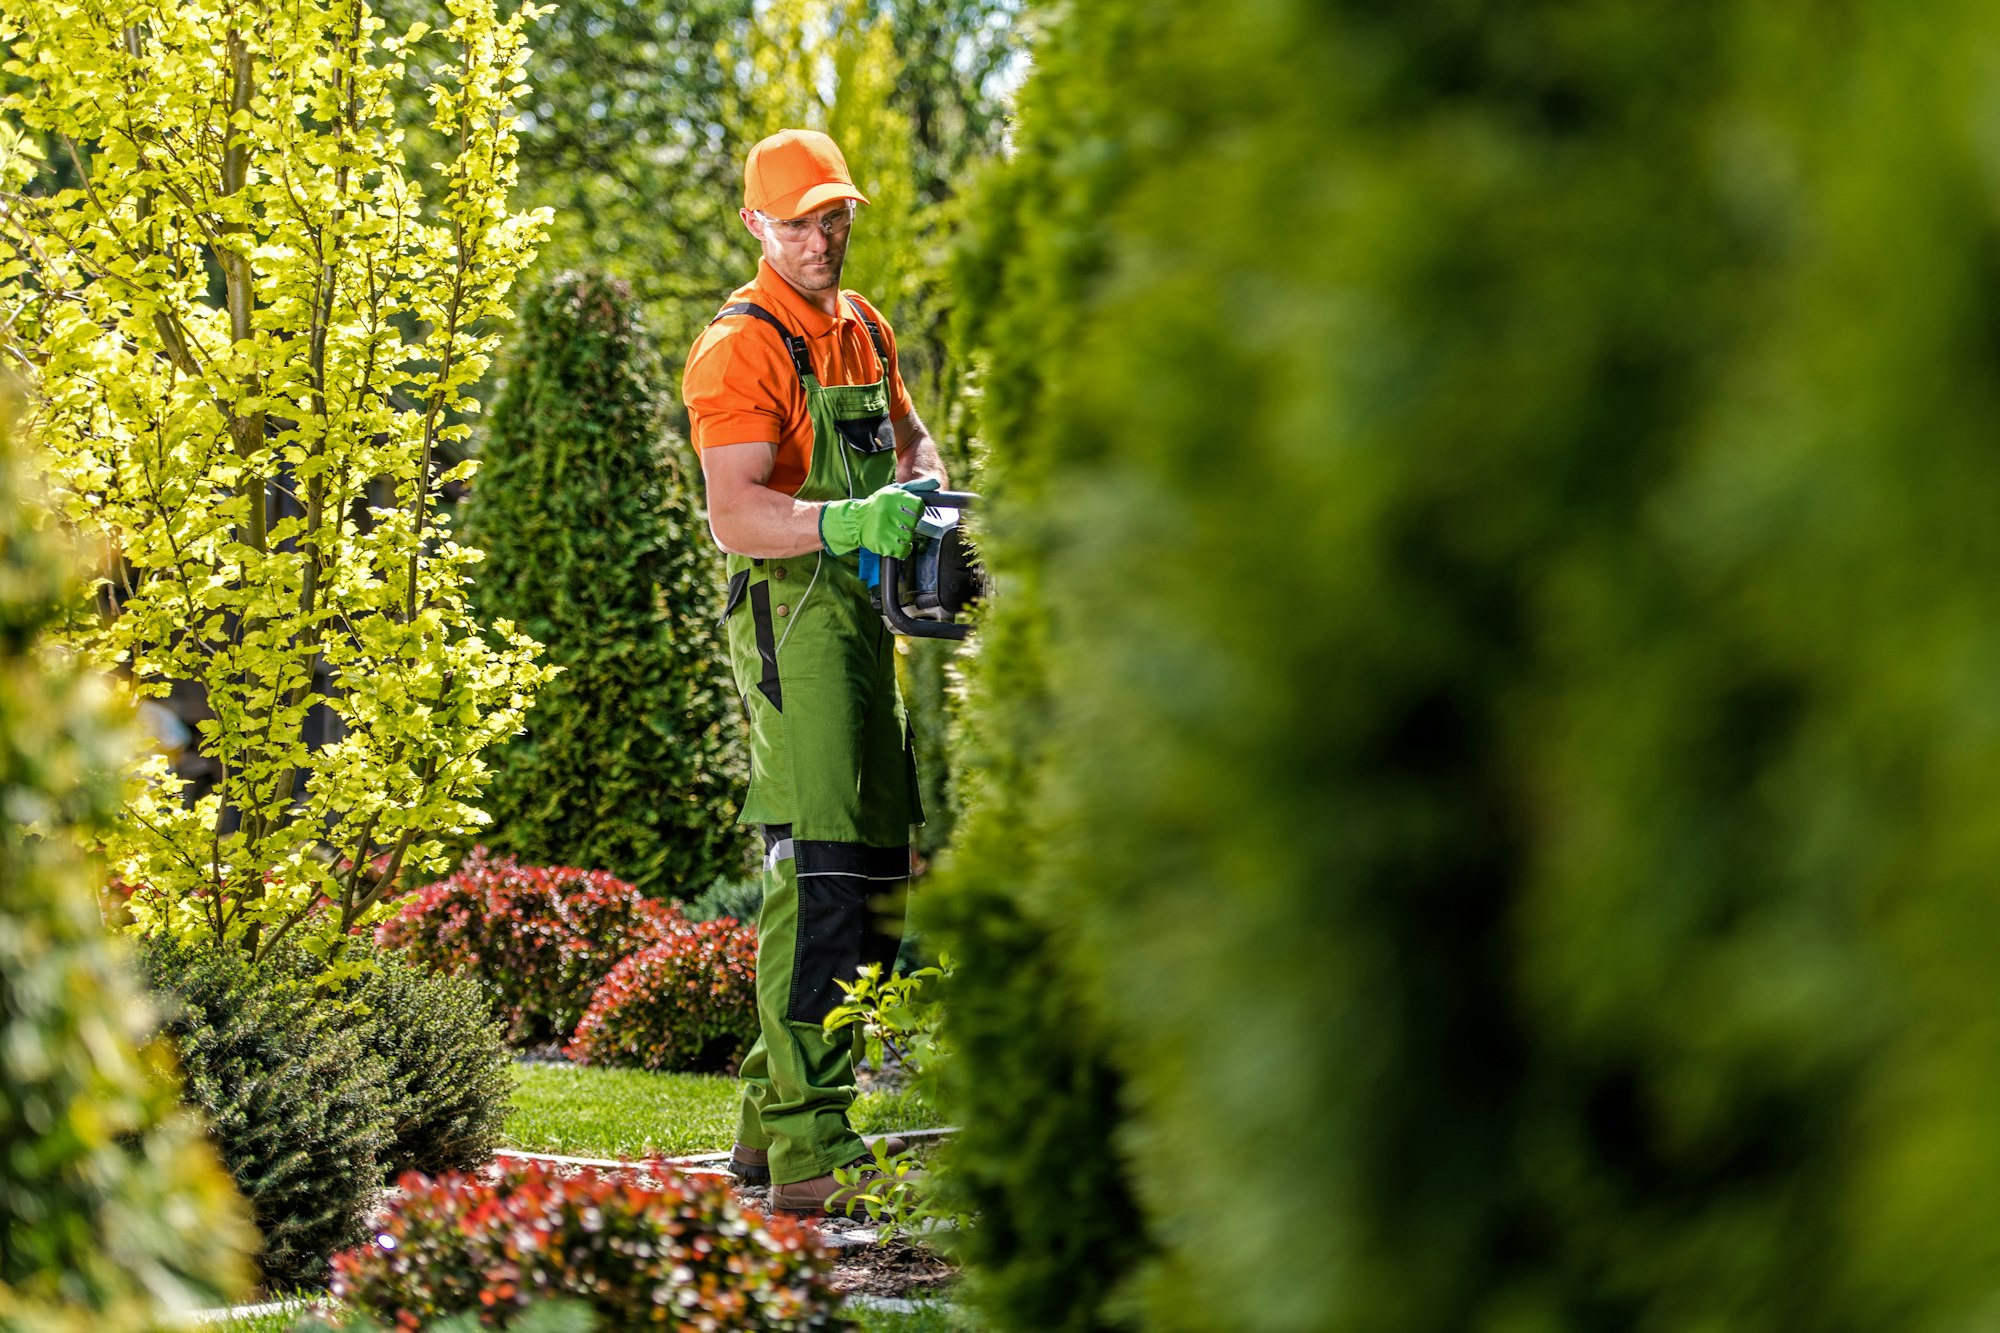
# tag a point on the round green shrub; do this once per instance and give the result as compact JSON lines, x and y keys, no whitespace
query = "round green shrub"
{"x":688,"y":1003}
{"x":450,"y":1076}
{"x":112,"y":1208}
{"x":596,"y":545}
{"x":673,"y":1252}
{"x":740,"y":898}
{"x":299,"y":1104}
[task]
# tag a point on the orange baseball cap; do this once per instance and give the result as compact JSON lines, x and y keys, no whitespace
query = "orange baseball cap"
{"x":795,"y":171}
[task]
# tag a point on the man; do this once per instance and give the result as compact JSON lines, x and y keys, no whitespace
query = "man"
{"x":813,"y":458}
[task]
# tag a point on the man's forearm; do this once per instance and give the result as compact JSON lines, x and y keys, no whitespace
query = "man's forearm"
{"x":749,"y":518}
{"x":917,"y":457}
{"x":764,"y":524}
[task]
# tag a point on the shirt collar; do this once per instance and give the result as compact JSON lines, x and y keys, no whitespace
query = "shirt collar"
{"x":793,"y":308}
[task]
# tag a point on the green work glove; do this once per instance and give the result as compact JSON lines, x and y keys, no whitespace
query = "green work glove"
{"x":882,"y":522}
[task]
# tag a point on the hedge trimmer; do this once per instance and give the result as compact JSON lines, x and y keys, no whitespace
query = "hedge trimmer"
{"x":940,"y":577}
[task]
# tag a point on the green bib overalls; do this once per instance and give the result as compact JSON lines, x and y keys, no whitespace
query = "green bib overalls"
{"x":832,"y":783}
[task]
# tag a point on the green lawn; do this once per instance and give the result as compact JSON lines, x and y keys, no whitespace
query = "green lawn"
{"x":881,"y":1112}
{"x":620,"y":1112}
{"x":582,"y":1112}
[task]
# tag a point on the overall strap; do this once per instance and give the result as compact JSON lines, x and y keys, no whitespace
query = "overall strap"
{"x":801,"y":357}
{"x":874,"y":334}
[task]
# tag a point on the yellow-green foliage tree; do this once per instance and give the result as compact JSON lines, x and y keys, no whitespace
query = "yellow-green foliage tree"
{"x":1489,"y":746}
{"x":113,"y":1210}
{"x":250,"y":331}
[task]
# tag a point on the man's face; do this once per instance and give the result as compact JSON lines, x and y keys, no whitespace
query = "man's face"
{"x":807,"y":252}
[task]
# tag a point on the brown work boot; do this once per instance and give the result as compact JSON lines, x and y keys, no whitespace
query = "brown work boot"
{"x":752,"y":1166}
{"x":825,"y":1194}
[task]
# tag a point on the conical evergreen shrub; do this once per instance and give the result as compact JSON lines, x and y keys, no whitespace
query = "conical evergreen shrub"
{"x":112,"y":1209}
{"x":597,"y":545}
{"x":1489,"y":731}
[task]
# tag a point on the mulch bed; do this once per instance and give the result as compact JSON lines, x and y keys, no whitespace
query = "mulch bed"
{"x":899,"y":1268}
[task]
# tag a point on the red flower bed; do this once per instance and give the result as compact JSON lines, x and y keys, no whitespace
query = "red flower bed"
{"x":677,"y":1253}
{"x":689,"y":1002}
{"x":542,"y":937}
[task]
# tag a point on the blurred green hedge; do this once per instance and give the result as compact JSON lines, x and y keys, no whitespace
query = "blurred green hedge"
{"x":112,"y":1209}
{"x":597,"y":545}
{"x":1479,"y":807}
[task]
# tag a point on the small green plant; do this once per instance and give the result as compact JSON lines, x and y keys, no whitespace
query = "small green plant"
{"x":742,"y":899}
{"x":298,"y":1103}
{"x":894,"y":1191}
{"x":900,"y":1017}
{"x":450,"y":1078}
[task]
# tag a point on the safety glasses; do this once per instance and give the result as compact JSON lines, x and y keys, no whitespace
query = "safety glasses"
{"x":835,"y":222}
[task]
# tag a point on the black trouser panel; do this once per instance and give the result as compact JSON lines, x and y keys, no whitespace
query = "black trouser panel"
{"x":850,"y":915}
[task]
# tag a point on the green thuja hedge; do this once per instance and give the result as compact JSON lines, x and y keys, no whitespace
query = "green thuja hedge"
{"x":596,"y":544}
{"x":1479,"y":807}
{"x":112,"y":1209}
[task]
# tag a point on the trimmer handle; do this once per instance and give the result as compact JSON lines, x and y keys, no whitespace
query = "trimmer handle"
{"x":904,"y":623}
{"x":947,"y":499}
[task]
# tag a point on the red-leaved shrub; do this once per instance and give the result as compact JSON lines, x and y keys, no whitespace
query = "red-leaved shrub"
{"x":689,"y":1002}
{"x":542,"y":937}
{"x":675,"y":1251}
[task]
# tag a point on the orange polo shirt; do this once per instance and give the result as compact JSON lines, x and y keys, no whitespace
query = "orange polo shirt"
{"x":740,"y":386}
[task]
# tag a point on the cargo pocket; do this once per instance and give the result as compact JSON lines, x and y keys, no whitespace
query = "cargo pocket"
{"x":868,"y":435}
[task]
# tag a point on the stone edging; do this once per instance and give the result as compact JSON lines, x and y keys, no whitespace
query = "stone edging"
{"x":200,"y":1317}
{"x":692,"y":1162}
{"x":685,"y":1164}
